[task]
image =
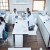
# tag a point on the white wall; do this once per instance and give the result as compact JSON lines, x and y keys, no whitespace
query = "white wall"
{"x":21,"y":7}
{"x":13,"y":4}
{"x":48,"y":7}
{"x":29,"y":5}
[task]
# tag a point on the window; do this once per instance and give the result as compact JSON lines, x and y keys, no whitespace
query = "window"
{"x":38,"y":5}
{"x":4,"y":4}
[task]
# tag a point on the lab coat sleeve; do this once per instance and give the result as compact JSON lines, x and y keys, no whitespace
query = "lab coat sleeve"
{"x":10,"y":19}
{"x":31,"y":20}
{"x":6,"y":19}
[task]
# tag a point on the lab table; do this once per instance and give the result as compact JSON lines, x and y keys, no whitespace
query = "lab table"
{"x":44,"y":26}
{"x":20,"y":28}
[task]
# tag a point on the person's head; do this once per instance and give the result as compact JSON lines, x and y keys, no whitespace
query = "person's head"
{"x":27,"y":9}
{"x":14,"y":10}
{"x":2,"y":19}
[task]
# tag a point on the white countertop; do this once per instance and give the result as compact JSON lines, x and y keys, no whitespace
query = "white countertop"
{"x":47,"y":25}
{"x":43,"y":18}
{"x":21,"y":27}
{"x":19,"y":48}
{"x":47,"y":22}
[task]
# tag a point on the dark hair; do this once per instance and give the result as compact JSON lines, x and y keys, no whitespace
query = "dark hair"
{"x":2,"y":19}
{"x":14,"y":8}
{"x":27,"y":8}
{"x":28,"y":11}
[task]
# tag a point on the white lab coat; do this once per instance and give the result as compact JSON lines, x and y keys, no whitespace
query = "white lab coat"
{"x":12,"y":18}
{"x":2,"y":27}
{"x":7,"y":19}
{"x":27,"y":14}
{"x":31,"y":20}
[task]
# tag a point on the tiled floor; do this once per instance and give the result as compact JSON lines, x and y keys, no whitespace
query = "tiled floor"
{"x":34,"y":41}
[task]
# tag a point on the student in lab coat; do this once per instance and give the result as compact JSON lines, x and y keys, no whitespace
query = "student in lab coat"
{"x":28,"y":13}
{"x":13,"y":16}
{"x":30,"y":17}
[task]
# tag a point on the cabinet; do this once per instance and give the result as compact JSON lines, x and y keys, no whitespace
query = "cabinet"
{"x":44,"y":29}
{"x":18,"y":40}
